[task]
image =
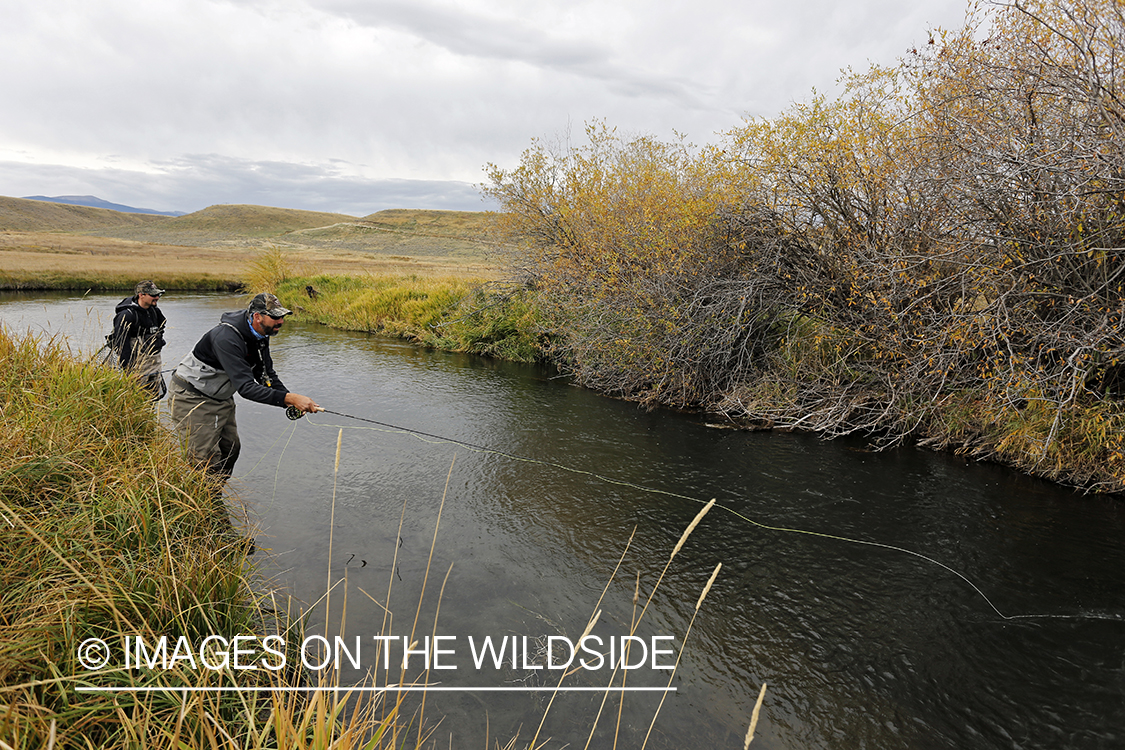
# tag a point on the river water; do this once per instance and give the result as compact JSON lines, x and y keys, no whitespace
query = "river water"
{"x":940,"y":603}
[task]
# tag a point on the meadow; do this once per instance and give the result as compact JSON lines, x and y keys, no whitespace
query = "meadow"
{"x":52,"y":246}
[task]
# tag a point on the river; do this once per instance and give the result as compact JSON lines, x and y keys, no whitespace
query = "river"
{"x":939,"y":603}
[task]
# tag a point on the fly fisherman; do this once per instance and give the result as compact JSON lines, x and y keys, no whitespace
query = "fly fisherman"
{"x":138,"y":336}
{"x":233,"y":357}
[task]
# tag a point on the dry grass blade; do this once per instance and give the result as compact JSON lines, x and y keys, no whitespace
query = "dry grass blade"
{"x":691,"y":527}
{"x":332,"y":522}
{"x":675,"y":550}
{"x":683,"y":645}
{"x":711,"y":580}
{"x":754,"y":717}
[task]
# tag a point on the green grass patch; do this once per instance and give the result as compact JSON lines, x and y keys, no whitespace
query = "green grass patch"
{"x":445,"y":312}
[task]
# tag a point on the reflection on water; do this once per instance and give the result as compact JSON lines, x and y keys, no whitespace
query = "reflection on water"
{"x":863,"y":647}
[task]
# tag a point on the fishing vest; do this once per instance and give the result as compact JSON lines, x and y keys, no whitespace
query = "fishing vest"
{"x":210,"y":381}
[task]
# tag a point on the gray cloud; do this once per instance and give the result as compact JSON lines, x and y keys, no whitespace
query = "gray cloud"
{"x":479,"y":35}
{"x":329,"y":104}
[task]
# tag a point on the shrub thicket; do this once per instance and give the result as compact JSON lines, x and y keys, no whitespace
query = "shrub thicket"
{"x":936,"y":254}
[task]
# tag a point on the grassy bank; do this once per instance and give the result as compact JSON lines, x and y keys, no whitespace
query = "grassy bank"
{"x":107,"y":532}
{"x":60,"y":261}
{"x":453,"y":313}
{"x":97,"y":282}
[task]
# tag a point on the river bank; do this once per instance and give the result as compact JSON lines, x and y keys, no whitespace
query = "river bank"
{"x":107,"y":532}
{"x":511,"y":321}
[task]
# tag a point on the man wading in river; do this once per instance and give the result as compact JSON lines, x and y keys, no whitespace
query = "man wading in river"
{"x":138,"y":336}
{"x":233,"y":357}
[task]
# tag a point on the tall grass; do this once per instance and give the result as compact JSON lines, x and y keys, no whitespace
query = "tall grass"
{"x":106,"y":531}
{"x":269,"y":270}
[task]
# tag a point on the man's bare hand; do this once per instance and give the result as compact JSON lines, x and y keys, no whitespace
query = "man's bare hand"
{"x":304,"y":403}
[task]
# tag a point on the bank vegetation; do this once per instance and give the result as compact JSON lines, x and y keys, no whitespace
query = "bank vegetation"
{"x":935,"y":255}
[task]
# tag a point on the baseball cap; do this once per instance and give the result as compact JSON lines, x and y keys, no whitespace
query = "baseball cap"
{"x":147,"y":287}
{"x":267,"y":304}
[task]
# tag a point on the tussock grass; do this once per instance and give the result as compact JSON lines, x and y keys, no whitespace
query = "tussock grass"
{"x":106,"y":531}
{"x":269,"y":269}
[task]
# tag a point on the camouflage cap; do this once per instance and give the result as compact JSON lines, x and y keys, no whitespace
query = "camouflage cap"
{"x":267,"y":304}
{"x":147,"y":287}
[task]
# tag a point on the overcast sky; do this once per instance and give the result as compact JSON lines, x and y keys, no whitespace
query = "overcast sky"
{"x":360,"y":105}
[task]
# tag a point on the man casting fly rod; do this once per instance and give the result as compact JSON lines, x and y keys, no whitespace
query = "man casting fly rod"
{"x":233,"y":357}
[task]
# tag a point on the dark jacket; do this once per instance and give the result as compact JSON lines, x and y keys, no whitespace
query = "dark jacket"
{"x":232,"y":348}
{"x":136,"y":330}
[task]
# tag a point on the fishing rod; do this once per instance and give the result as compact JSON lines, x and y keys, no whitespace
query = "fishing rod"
{"x":293,"y":413}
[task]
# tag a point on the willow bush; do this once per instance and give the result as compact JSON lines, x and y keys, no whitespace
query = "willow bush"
{"x":626,"y":259}
{"x":935,"y":254}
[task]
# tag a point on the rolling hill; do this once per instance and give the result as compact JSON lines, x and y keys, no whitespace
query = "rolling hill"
{"x":403,"y":233}
{"x":256,"y":221}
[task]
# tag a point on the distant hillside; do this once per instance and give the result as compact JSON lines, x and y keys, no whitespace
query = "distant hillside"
{"x":254,"y":220}
{"x":460,"y":224}
{"x":406,"y":232}
{"x":24,"y":215}
{"x":94,"y":202}
{"x":397,"y":233}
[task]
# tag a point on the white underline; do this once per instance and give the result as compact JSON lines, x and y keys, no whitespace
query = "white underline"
{"x":391,"y":689}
